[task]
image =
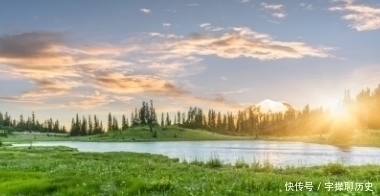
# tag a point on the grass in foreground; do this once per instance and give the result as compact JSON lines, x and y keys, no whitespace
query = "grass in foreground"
{"x":59,"y":171}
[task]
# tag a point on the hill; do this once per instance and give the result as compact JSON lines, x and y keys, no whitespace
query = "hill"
{"x":133,"y":134}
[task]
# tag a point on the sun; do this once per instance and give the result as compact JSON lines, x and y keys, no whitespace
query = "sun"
{"x":338,"y":112}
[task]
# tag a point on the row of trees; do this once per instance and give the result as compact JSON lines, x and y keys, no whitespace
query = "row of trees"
{"x":30,"y":124}
{"x":364,"y":110}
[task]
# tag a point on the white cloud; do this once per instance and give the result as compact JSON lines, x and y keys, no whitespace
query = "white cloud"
{"x":245,"y":1}
{"x":209,"y":27}
{"x":279,"y":15}
{"x":223,"y":78}
{"x":362,"y":17}
{"x":203,"y":25}
{"x":277,"y":9}
{"x":272,"y":6}
{"x":145,"y":10}
{"x":166,"y":25}
{"x":306,"y":6}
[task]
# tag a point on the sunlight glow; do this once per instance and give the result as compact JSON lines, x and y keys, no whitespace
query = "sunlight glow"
{"x":338,"y":112}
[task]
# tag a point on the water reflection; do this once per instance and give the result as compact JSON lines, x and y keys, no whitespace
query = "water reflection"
{"x":277,"y":153}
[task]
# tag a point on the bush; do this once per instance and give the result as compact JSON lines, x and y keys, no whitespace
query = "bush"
{"x":214,"y":162}
{"x":155,"y":134}
{"x":240,"y":163}
{"x":1,"y":143}
{"x":334,"y":169}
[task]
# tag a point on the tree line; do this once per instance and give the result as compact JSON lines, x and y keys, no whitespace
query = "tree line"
{"x":364,"y":110}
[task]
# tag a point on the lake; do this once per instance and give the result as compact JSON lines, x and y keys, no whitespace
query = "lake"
{"x":278,"y":153}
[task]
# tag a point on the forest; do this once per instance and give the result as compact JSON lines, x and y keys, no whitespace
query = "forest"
{"x":360,"y":113}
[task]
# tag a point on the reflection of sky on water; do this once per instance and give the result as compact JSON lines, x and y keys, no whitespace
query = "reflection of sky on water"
{"x":277,"y":153}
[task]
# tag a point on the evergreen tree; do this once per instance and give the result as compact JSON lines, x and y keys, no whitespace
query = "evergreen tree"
{"x":109,"y":122}
{"x":33,"y":120}
{"x":84,"y":126}
{"x":1,"y":119}
{"x":56,"y":127}
{"x":123,"y":123}
{"x":162,"y":119}
{"x":115,"y":125}
{"x":64,"y":129}
{"x":90,"y":126}
{"x":168,"y":122}
{"x":178,"y":117}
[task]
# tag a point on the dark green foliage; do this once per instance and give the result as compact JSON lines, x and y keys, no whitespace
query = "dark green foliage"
{"x":334,"y":169}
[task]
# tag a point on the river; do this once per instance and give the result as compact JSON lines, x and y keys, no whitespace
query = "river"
{"x":277,"y":153}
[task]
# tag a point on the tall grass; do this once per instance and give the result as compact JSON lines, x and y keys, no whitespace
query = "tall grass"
{"x":60,"y":171}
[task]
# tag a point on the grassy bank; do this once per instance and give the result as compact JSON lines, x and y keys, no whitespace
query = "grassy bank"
{"x":62,"y":171}
{"x":171,"y":133}
{"x":175,"y":133}
{"x":370,"y":138}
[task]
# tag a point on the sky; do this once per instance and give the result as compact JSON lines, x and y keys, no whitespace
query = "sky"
{"x":59,"y":58}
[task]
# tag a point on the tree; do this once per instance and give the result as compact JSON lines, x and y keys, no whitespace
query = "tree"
{"x":1,"y":119}
{"x":168,"y":122}
{"x":109,"y":122}
{"x":33,"y":120}
{"x":162,"y":119}
{"x":123,"y":123}
{"x":56,"y":127}
{"x":151,"y":118}
{"x":90,"y":126}
{"x":84,"y":126}
{"x":178,"y":117}
{"x":115,"y":125}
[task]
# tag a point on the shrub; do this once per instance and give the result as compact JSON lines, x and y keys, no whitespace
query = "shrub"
{"x":155,"y":134}
{"x":214,"y":162}
{"x":240,"y":163}
{"x":1,"y":143}
{"x":334,"y":169}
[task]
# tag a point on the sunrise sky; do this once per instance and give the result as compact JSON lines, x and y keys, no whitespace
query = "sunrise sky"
{"x":94,"y":57}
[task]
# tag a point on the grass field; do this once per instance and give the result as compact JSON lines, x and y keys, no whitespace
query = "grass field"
{"x":59,"y":171}
{"x":175,"y":133}
{"x":172,"y":133}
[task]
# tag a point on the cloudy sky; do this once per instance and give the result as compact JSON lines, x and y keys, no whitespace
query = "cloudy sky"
{"x":95,"y":57}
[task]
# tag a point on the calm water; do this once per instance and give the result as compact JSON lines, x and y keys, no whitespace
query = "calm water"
{"x":278,"y":153}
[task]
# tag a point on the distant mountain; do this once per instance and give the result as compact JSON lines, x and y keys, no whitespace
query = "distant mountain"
{"x":270,"y":106}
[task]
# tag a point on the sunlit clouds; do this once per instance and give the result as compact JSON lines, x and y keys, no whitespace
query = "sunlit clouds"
{"x":361,"y":17}
{"x":242,"y":42}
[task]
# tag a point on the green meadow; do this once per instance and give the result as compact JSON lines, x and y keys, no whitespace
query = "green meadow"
{"x":138,"y":133}
{"x":59,"y":171}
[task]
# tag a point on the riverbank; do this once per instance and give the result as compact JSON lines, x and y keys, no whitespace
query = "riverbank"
{"x":369,"y":138}
{"x":65,"y":171}
{"x":134,"y":134}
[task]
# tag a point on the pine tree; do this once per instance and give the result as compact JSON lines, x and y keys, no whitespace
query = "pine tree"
{"x":219,"y":122}
{"x":162,"y":119}
{"x":109,"y":122}
{"x":33,"y":120}
{"x":1,"y":119}
{"x":90,"y":126}
{"x":168,"y":122}
{"x":101,"y":127}
{"x":84,"y":126}
{"x":178,"y":117}
{"x":115,"y":125}
{"x":123,"y":123}
{"x":56,"y":126}
{"x":72,"y":130}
